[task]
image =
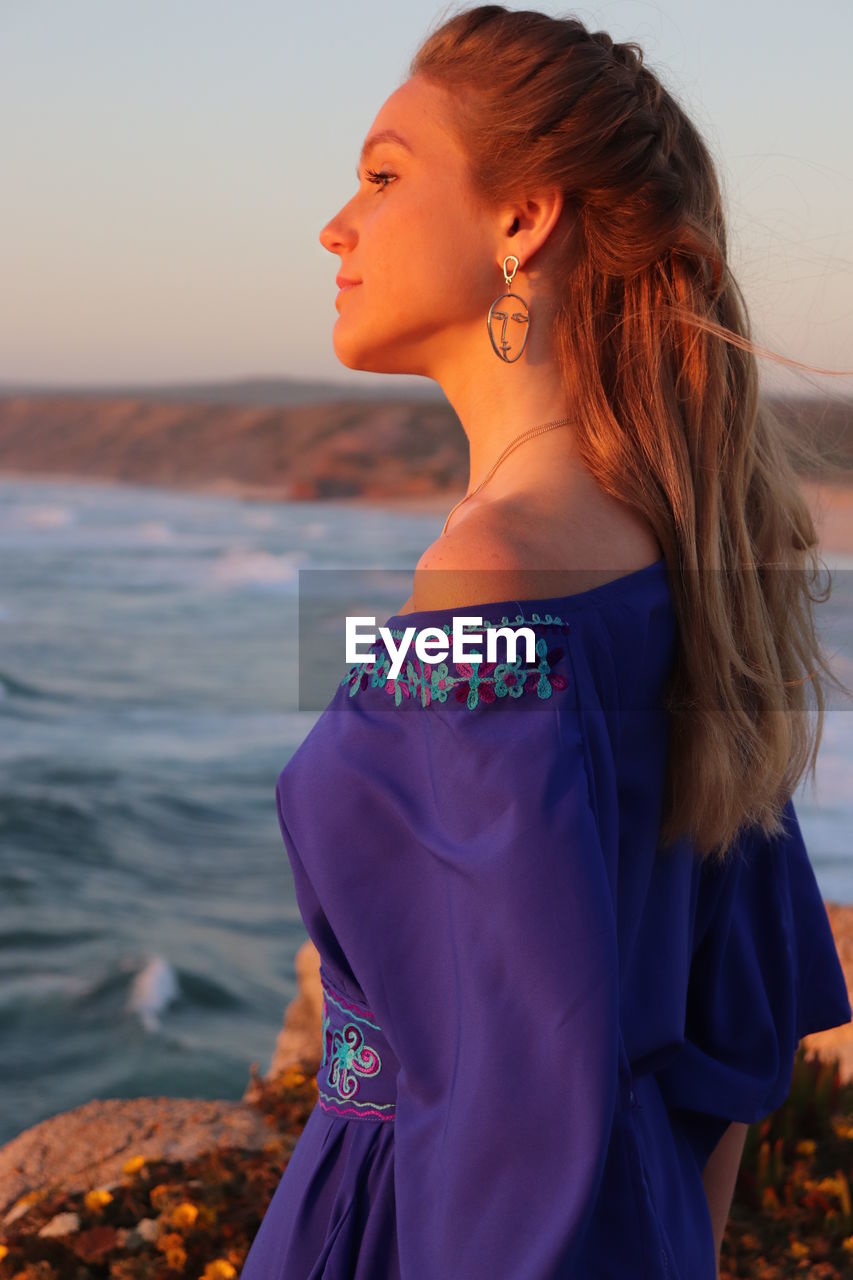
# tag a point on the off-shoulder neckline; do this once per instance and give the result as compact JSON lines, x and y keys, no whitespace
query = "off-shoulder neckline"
{"x":654,"y":574}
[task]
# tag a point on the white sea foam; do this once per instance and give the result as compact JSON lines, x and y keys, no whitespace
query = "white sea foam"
{"x":45,"y":516}
{"x":153,"y":990}
{"x":241,"y":565}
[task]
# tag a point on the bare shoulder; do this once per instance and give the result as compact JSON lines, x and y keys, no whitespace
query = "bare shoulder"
{"x":512,"y":550}
{"x":478,"y":561}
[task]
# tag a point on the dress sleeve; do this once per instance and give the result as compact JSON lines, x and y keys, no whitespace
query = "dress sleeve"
{"x":473,"y":903}
{"x":765,"y":972}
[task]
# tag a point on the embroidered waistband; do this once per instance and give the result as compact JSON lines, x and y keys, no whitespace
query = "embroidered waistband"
{"x":358,"y":1073}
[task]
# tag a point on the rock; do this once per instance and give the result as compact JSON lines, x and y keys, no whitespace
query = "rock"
{"x":85,"y":1148}
{"x":64,"y":1224}
{"x":298,"y":1042}
{"x":838,"y":1041}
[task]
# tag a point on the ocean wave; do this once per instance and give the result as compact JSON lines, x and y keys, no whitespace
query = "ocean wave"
{"x":43,"y":516}
{"x":153,"y":989}
{"x":13,"y":687}
{"x":244,"y":566}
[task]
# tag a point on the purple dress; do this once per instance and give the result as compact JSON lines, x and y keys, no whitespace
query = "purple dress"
{"x":536,"y":1023}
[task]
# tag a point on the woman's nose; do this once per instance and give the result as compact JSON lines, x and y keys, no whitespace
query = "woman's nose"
{"x":337,"y":235}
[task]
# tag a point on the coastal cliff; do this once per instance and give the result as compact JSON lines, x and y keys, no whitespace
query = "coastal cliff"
{"x":328,"y":450}
{"x":372,"y":448}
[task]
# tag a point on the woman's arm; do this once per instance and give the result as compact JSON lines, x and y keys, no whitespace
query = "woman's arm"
{"x":720,"y":1176}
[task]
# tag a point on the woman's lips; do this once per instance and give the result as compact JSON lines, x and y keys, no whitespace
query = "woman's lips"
{"x":345,"y":287}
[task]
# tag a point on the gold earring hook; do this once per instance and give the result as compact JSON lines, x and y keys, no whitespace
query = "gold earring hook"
{"x":507,"y":276}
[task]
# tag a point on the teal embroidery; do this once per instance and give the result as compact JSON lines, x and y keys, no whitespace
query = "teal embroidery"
{"x":350,"y":1058}
{"x":471,"y":683}
{"x":350,"y":1066}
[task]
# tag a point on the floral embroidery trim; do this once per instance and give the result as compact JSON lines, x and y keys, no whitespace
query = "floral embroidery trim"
{"x":347,"y":1057}
{"x":470,"y":683}
{"x":350,"y":1057}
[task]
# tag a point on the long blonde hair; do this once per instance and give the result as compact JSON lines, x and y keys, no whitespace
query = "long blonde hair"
{"x":653,"y":338}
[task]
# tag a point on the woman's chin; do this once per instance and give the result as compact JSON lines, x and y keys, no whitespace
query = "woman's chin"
{"x":355,"y":356}
{"x":352,"y":360}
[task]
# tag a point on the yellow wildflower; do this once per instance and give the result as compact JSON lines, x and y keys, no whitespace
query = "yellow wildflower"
{"x":184,"y":1214}
{"x":806,"y":1147}
{"x":219,"y":1269}
{"x":133,"y":1164}
{"x":176,"y":1257}
{"x":23,"y":1203}
{"x":291,"y":1077}
{"x":3,"y":1251}
{"x":847,"y":1244}
{"x":97,"y":1198}
{"x":798,"y":1250}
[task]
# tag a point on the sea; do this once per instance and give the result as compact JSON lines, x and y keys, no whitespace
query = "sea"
{"x":148,"y":701}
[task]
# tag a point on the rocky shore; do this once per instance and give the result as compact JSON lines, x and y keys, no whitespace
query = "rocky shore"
{"x":88,"y":1146}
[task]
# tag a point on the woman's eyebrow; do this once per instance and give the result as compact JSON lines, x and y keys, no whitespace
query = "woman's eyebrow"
{"x":382,"y":135}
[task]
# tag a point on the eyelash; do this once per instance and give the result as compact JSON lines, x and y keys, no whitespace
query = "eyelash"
{"x":382,"y":178}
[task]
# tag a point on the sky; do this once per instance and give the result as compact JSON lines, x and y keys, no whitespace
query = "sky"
{"x":168,"y":167}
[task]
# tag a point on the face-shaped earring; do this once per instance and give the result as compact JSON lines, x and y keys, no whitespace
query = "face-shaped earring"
{"x":508,"y":326}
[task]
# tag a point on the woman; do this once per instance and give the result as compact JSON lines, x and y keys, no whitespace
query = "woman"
{"x":569,"y":932}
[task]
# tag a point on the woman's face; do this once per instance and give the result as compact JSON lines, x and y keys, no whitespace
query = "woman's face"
{"x":417,"y":240}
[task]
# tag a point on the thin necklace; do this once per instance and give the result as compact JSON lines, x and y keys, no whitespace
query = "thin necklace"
{"x":513,"y":444}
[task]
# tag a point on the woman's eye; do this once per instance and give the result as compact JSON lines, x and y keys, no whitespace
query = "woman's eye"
{"x":381,"y":178}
